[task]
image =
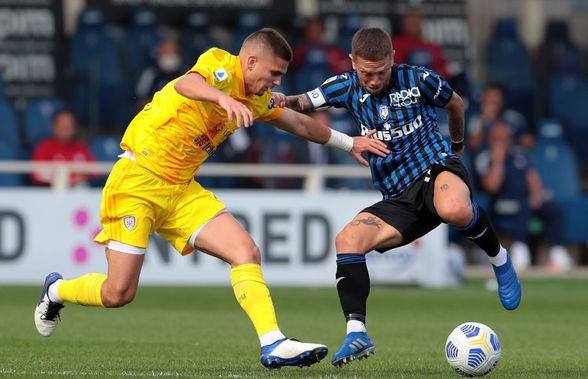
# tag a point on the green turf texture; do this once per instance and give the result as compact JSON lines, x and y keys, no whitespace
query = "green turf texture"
{"x":202,"y":333}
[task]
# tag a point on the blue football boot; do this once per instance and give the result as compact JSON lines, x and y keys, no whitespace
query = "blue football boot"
{"x":47,"y":312}
{"x":509,"y":287}
{"x":290,"y":352}
{"x":357,"y":345}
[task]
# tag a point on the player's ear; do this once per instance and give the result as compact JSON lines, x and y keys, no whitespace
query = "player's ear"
{"x":352,"y":61}
{"x":251,"y":62}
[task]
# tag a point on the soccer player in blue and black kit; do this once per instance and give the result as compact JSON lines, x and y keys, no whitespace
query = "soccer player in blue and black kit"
{"x":422,"y":180}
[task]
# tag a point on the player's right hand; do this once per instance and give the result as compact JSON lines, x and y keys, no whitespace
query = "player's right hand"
{"x":242,"y":114}
{"x":279,"y":99}
{"x":366,"y":143}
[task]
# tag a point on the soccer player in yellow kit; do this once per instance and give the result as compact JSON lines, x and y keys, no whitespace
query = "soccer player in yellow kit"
{"x":152,"y":188}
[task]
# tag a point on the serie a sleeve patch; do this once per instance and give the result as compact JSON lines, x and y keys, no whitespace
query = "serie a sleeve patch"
{"x":220,"y":74}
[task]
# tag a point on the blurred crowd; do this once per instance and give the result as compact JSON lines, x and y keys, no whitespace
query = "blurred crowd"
{"x":526,"y":123}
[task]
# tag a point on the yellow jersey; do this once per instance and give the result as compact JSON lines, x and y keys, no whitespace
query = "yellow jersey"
{"x":173,"y":135}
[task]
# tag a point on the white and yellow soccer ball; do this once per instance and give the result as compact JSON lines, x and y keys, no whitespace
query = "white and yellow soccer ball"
{"x":472,"y":349}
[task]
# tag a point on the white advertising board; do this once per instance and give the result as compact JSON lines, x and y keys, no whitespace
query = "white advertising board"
{"x":43,"y":231}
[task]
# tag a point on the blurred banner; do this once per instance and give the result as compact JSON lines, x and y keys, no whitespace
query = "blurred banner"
{"x":43,"y":231}
{"x":30,"y":47}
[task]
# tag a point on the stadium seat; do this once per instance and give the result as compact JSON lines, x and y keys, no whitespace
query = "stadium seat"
{"x":9,"y":127}
{"x":557,"y":53}
{"x":196,"y":39}
{"x":142,"y":42}
{"x":9,"y":152}
{"x":106,"y":148}
{"x":37,"y":119}
{"x":508,"y":64}
{"x":349,"y":25}
{"x":556,"y":163}
{"x":248,"y":23}
{"x":568,"y":96}
{"x":96,"y":70}
{"x":314,"y":70}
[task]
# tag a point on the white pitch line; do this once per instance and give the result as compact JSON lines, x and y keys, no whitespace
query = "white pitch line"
{"x":98,"y":373}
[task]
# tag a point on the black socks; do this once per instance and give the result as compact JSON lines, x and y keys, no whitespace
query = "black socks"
{"x":353,"y":285}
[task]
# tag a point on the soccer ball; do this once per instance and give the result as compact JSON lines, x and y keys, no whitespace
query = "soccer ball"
{"x":472,"y":349}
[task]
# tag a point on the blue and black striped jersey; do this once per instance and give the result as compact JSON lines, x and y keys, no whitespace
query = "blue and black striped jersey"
{"x":404,"y":116}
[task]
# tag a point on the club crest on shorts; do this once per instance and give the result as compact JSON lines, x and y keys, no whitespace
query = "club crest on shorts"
{"x":130,"y":222}
{"x":384,"y":112}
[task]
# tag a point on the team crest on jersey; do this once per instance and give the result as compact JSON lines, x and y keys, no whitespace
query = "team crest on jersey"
{"x":130,"y":222}
{"x":220,"y":74}
{"x":384,"y":112}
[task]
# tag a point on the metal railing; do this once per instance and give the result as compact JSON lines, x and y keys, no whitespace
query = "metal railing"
{"x":313,"y":175}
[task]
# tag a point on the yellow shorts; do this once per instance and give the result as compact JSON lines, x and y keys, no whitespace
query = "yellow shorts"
{"x":136,"y":203}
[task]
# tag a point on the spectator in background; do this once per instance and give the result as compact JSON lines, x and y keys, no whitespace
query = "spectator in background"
{"x":168,"y":67}
{"x":410,"y":47}
{"x":314,"y":38}
{"x":505,"y":173}
{"x":62,"y":146}
{"x":492,"y":111}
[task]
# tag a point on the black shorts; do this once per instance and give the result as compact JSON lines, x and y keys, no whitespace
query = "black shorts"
{"x":413,"y":212}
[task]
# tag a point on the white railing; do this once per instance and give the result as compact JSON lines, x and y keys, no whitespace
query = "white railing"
{"x":313,"y":175}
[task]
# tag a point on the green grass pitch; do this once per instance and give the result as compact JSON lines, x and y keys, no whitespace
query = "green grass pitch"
{"x":202,"y":333}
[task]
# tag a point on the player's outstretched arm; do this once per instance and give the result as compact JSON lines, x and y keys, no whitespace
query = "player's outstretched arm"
{"x":311,"y":130}
{"x":455,"y":108}
{"x":298,"y":103}
{"x":195,"y":87}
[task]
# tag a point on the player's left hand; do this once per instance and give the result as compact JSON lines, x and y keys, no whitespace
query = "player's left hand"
{"x":279,"y":99}
{"x":365,"y":143}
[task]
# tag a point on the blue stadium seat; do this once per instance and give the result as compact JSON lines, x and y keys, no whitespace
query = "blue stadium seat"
{"x":558,"y":51}
{"x":314,"y":70}
{"x":37,"y":119}
{"x":142,"y":41}
{"x":556,"y":163}
{"x":508,"y":64}
{"x":9,"y":152}
{"x":9,"y":127}
{"x":106,"y":148}
{"x":568,"y":96}
{"x":248,"y":23}
{"x":505,"y":29}
{"x":349,"y":25}
{"x":96,"y":70}
{"x":196,"y":38}
{"x":2,"y":94}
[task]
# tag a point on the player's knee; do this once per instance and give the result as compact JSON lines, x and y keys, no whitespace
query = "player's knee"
{"x":456,"y":212}
{"x":346,"y":242}
{"x":248,"y":253}
{"x":115,"y":298}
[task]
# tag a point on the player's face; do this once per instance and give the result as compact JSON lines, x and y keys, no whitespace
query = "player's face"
{"x":373,"y":76}
{"x":265,"y":72}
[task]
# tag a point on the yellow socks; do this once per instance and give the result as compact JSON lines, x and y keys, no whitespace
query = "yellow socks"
{"x":254,"y":297}
{"x":84,"y":290}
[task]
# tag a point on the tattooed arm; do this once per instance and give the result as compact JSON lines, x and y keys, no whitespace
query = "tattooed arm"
{"x":298,"y":103}
{"x":455,"y":109}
